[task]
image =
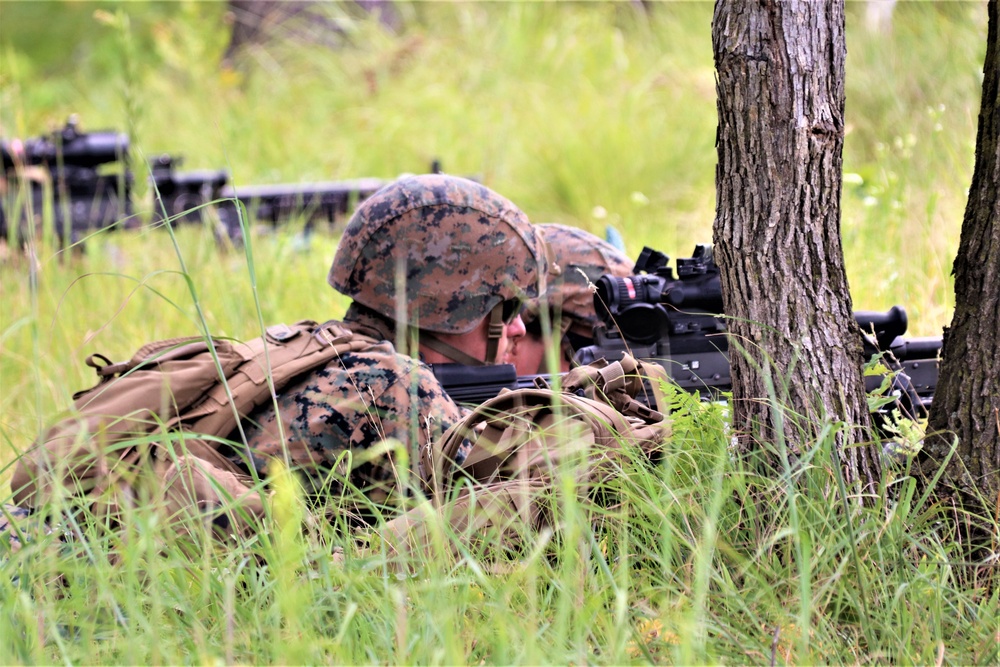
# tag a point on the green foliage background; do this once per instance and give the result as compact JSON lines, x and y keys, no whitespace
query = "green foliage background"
{"x":589,"y":114}
{"x":583,"y":113}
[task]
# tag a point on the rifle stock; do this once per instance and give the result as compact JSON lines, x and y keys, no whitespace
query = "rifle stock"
{"x":472,"y":385}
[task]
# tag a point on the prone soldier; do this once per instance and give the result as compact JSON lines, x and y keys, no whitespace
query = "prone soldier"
{"x":582,"y":259}
{"x":440,"y":264}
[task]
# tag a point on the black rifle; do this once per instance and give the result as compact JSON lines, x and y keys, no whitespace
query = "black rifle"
{"x":327,"y":202}
{"x":82,"y":174}
{"x":86,"y":176}
{"x":673,"y":320}
{"x":184,"y":196}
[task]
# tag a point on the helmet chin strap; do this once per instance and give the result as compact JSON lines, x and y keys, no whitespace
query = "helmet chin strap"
{"x":565,"y":347}
{"x":493,"y":334}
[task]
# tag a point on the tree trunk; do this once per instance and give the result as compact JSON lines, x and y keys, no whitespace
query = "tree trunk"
{"x":780,"y":69}
{"x":306,"y":21}
{"x":967,"y":398}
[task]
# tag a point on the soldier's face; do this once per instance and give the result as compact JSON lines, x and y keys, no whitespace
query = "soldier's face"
{"x":476,"y":344}
{"x":512,"y":333}
{"x":529,"y":356}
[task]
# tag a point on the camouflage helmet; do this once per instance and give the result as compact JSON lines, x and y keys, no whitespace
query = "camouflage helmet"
{"x":460,"y":247}
{"x":583,"y":258}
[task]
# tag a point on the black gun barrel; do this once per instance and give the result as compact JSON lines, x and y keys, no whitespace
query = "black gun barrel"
{"x":325,"y":200}
{"x":927,"y":347}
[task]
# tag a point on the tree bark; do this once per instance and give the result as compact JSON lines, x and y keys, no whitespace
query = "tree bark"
{"x":967,"y":399}
{"x":780,"y":84}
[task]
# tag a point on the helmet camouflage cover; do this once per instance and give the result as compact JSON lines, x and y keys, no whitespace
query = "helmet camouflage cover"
{"x":459,"y":248}
{"x":583,"y":258}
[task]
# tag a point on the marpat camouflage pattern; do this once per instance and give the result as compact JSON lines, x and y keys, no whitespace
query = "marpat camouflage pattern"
{"x":349,"y":406}
{"x":16,"y":522}
{"x":583,"y":258}
{"x":459,"y":247}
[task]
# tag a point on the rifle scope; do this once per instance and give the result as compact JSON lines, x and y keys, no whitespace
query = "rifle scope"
{"x":74,"y":148}
{"x":641,"y":306}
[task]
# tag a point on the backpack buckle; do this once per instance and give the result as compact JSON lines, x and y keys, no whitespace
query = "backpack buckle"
{"x":104,"y":367}
{"x":279,"y":333}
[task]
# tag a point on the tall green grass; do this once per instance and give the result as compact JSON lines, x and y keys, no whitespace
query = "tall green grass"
{"x":589,"y":114}
{"x":701,"y":559}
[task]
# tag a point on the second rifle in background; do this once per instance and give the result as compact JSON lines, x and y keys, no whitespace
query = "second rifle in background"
{"x":70,"y":183}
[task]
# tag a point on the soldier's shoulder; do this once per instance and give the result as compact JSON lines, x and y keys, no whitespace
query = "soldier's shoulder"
{"x":380,"y":355}
{"x":383,"y":369}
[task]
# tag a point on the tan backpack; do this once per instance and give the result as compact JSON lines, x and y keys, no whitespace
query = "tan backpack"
{"x":492,"y":475}
{"x":182,"y":387}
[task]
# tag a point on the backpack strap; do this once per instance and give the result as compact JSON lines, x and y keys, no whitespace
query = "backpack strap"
{"x":509,"y":449}
{"x":282,"y":354}
{"x":170,"y":385}
{"x":524,"y":422}
{"x":618,"y":383}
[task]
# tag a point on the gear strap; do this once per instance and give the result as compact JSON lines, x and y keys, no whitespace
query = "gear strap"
{"x":450,"y":351}
{"x":493,"y":334}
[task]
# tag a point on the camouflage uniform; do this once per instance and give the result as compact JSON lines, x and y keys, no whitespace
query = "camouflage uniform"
{"x":460,"y":248}
{"x":582,"y":258}
{"x":11,"y":516}
{"x":463,"y":251}
{"x":352,"y":404}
